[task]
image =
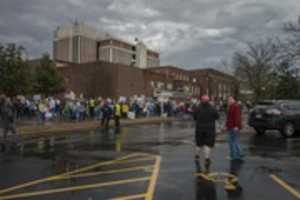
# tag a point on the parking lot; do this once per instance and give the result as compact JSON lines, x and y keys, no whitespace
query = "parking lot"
{"x":148,"y":162}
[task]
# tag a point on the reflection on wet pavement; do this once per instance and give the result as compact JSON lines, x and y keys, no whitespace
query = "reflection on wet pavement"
{"x":265,"y":155}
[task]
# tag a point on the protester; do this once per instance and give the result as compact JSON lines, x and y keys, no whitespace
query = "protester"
{"x":42,"y":109}
{"x":117,"y":114}
{"x":91,"y":105}
{"x":125,"y":110}
{"x":106,"y":115}
{"x":70,"y":108}
{"x":2,"y":102}
{"x":205,"y":117}
{"x":8,"y":115}
{"x":233,"y":126}
{"x":98,"y":113}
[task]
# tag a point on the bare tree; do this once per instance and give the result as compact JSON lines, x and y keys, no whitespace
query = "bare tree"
{"x":255,"y":67}
{"x":293,"y":42}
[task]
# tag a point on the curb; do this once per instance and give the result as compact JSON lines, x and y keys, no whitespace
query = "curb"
{"x":70,"y":127}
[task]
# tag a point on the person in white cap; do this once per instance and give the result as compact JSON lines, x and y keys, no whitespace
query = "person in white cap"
{"x":205,"y":117}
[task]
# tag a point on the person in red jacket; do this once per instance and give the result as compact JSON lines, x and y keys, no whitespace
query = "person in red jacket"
{"x":233,"y":126}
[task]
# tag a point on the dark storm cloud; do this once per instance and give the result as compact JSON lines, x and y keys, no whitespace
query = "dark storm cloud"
{"x":194,"y":33}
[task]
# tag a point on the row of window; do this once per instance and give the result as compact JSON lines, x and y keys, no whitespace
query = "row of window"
{"x":221,"y":91}
{"x":169,"y":86}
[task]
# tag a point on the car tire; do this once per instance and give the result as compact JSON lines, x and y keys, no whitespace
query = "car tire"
{"x":288,"y":130}
{"x":260,"y":131}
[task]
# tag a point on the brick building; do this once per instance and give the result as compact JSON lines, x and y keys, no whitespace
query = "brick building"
{"x":179,"y":80}
{"x":112,"y":80}
{"x":216,"y":84}
{"x":103,"y":79}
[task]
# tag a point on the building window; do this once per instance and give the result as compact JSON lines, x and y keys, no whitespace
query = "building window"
{"x":160,"y":85}
{"x":170,"y":86}
{"x":152,"y":83}
{"x":186,"y":88}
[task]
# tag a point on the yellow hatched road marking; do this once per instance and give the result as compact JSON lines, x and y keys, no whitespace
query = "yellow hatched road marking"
{"x":287,"y":187}
{"x":78,"y":174}
{"x":56,"y":177}
{"x":136,"y":160}
{"x":202,"y":175}
{"x":136,"y":196}
{"x":74,"y":188}
{"x":153,"y":181}
{"x":106,"y":172}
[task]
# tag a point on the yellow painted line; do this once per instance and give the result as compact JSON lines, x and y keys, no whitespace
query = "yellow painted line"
{"x":73,"y":189}
{"x":136,"y":160}
{"x":153,"y":181}
{"x":136,"y":196}
{"x":202,"y":175}
{"x":93,"y":166}
{"x":287,"y":187}
{"x":52,"y":178}
{"x":105,"y":172}
{"x":213,"y":176}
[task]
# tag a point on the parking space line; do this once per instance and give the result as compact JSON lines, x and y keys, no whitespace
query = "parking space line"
{"x":136,"y":196}
{"x":52,"y":178}
{"x":136,"y":160}
{"x":287,"y":187}
{"x":153,"y":180}
{"x":74,"y":188}
{"x":204,"y":176}
{"x":130,"y":169}
{"x":93,"y":166}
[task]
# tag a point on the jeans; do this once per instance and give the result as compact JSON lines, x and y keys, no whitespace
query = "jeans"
{"x":233,"y":140}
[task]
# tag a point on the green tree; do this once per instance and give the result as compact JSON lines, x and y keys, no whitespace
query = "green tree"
{"x":15,"y":73}
{"x":48,"y":80}
{"x":288,"y":86}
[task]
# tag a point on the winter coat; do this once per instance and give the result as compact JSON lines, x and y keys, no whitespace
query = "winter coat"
{"x":106,"y":111}
{"x":205,"y":117}
{"x":8,"y":115}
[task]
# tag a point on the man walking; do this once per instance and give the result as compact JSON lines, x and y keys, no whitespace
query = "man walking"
{"x":233,"y":126}
{"x":205,"y":116}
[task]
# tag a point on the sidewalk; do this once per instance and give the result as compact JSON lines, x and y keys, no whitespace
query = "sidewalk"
{"x":69,"y":127}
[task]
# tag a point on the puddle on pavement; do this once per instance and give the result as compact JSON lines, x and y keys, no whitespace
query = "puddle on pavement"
{"x":273,"y":146}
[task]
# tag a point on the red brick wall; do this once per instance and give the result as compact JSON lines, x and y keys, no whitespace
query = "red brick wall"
{"x":113,"y":80}
{"x":103,"y":79}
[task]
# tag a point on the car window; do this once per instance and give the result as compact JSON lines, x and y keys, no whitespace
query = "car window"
{"x":293,"y":106}
{"x":265,"y":103}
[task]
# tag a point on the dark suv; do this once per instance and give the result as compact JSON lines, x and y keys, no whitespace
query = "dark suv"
{"x":282,"y":115}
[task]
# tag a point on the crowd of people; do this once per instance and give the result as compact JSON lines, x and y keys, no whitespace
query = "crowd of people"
{"x":77,"y":109}
{"x":70,"y":108}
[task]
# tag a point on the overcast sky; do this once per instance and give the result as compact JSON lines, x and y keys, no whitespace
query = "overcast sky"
{"x":188,"y":33}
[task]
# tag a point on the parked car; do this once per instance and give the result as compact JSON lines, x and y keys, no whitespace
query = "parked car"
{"x":282,"y":115}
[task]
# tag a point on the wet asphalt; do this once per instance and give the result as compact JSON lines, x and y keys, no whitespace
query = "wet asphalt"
{"x":34,"y":159}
